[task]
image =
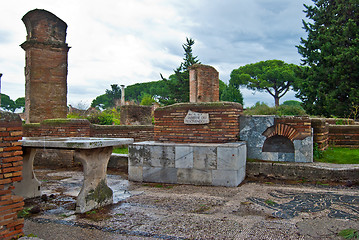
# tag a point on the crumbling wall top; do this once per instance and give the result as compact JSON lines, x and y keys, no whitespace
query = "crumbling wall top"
{"x":45,"y":27}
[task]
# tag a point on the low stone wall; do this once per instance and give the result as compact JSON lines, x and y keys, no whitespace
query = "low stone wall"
{"x":198,"y":164}
{"x":139,"y":133}
{"x":317,"y":172}
{"x":344,"y":135}
{"x":10,"y":172}
{"x":223,"y":123}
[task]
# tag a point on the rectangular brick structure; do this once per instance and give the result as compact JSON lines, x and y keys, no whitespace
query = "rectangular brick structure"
{"x":223,"y":126}
{"x":203,"y":83}
{"x":46,"y":66}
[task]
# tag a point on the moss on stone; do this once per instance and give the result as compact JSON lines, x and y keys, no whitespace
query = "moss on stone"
{"x":205,"y":105}
{"x":31,"y":125}
{"x":100,"y":194}
{"x":60,"y":121}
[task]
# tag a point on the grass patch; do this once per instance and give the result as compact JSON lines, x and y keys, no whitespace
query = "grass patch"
{"x":270,"y":202}
{"x":339,"y":156}
{"x":349,"y":234}
{"x":123,"y":150}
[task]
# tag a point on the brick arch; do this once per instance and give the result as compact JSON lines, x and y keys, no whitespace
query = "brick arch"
{"x":281,"y":130}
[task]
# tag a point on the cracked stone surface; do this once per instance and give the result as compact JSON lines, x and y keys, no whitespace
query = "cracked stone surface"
{"x":253,"y":210}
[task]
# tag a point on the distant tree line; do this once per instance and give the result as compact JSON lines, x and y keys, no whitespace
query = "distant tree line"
{"x":8,"y":104}
{"x":173,"y":89}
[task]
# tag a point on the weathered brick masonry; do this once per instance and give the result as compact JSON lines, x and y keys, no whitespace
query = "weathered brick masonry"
{"x":46,"y":66}
{"x":139,"y":133}
{"x":301,"y":124}
{"x":320,"y":132}
{"x":136,"y":115}
{"x":10,"y":172}
{"x":203,"y":84}
{"x":58,"y":128}
{"x":222,"y":128}
{"x":83,"y":128}
{"x":344,"y":135}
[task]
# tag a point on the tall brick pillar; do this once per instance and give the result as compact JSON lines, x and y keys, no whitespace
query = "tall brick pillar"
{"x":203,"y":84}
{"x":46,"y":66}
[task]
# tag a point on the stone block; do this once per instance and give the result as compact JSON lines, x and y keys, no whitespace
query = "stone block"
{"x":194,"y":176}
{"x":227,"y":158}
{"x":304,"y":150}
{"x":285,"y":157}
{"x":184,"y":157}
{"x":162,"y":156}
{"x":161,"y":175}
{"x":138,"y":155}
{"x":227,"y":178}
{"x":205,"y":158}
{"x":135,"y":173}
{"x":241,"y":174}
{"x":269,"y":156}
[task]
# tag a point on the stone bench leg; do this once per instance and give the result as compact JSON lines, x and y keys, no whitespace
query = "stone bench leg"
{"x":94,"y":192}
{"x":29,"y":186}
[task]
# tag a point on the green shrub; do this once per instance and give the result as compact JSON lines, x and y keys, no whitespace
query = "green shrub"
{"x":290,"y":110}
{"x":74,"y":116}
{"x":106,"y":117}
{"x":261,"y":108}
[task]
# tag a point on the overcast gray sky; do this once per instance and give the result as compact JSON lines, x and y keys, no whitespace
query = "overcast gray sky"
{"x":132,"y":41}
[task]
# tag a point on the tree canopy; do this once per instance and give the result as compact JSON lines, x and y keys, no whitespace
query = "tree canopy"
{"x":331,"y":52}
{"x":273,"y":76}
{"x":178,"y":83}
{"x":11,"y":105}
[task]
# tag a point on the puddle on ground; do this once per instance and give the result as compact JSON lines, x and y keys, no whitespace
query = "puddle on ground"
{"x":60,"y":188}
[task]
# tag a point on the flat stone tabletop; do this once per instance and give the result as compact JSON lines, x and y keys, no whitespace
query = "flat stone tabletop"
{"x":74,"y":142}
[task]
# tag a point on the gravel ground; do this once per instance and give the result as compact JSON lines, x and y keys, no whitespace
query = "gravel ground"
{"x":253,"y":210}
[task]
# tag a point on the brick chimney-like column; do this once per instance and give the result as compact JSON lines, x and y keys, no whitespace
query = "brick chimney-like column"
{"x":46,"y":66}
{"x":204,"y":84}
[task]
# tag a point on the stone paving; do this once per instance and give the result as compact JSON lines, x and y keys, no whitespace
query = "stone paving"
{"x":253,"y":210}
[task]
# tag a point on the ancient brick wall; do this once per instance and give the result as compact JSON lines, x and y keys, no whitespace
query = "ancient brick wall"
{"x":10,"y":172}
{"x":223,"y":123}
{"x":46,"y":66}
{"x":344,"y":135}
{"x":136,"y":115}
{"x":138,"y":133}
{"x":204,"y":84}
{"x":301,"y":124}
{"x":320,"y":132}
{"x":58,"y":128}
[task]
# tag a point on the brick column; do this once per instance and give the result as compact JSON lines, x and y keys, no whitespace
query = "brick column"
{"x":203,"y":84}
{"x":46,"y":66}
{"x":10,"y":172}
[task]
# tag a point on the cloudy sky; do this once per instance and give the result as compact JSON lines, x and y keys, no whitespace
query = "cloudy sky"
{"x":132,"y":41}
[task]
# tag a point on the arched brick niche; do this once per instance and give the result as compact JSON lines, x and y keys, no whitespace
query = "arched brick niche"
{"x":273,"y":138}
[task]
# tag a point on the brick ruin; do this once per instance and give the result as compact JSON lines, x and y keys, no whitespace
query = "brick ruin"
{"x":136,"y":115}
{"x":204,"y":84}
{"x":46,"y":66}
{"x":10,"y":173}
{"x":222,"y":128}
{"x":195,"y":143}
